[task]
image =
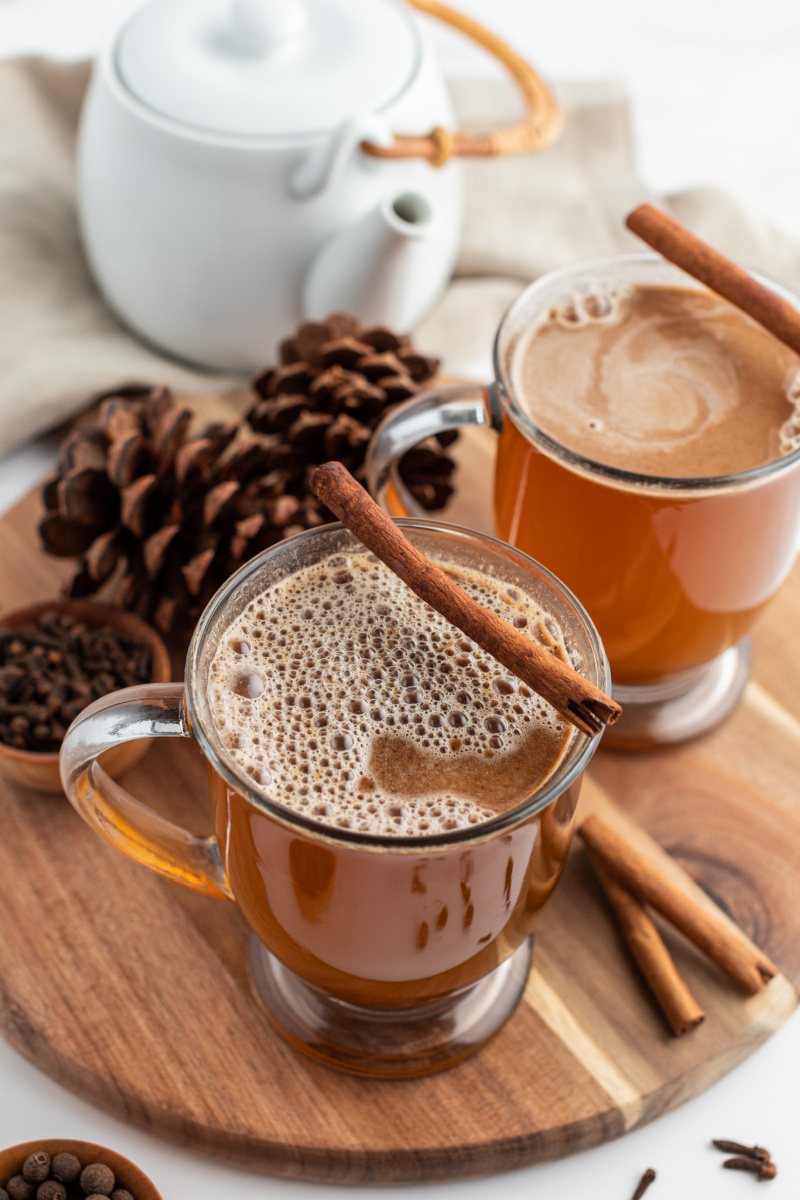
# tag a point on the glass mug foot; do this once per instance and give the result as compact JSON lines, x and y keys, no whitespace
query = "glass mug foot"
{"x":388,"y":1043}
{"x":667,"y":713}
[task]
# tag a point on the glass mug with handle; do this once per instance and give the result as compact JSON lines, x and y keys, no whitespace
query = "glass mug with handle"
{"x":673,"y":571}
{"x":387,"y":956}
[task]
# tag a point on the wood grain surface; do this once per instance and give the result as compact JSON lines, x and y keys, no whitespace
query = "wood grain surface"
{"x":133,"y":991}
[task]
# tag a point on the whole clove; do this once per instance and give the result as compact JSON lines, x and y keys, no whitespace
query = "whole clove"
{"x":51,"y":668}
{"x":764,"y":1170}
{"x":644,"y":1184}
{"x":757,"y":1152}
{"x":754,"y":1159}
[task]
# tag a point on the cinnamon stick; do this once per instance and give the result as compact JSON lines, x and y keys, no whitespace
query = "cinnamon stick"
{"x":573,"y":696}
{"x":694,"y":256}
{"x":652,"y":957}
{"x":746,"y":965}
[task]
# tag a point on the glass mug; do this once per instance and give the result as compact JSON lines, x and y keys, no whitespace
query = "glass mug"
{"x":384,"y":956}
{"x":673,"y":572}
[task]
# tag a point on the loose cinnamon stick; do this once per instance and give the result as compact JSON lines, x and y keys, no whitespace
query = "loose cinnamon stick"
{"x":701,"y":261}
{"x":653,"y":958}
{"x":572,"y":695}
{"x":747,"y":966}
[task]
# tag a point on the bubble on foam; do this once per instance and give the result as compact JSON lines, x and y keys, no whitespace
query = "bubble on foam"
{"x":599,"y":303}
{"x":303,"y":718}
{"x":246,"y":683}
{"x":790,"y":430}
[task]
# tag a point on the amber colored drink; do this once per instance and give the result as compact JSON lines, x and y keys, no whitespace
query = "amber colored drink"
{"x":677,"y":547}
{"x":649,"y":455}
{"x":444,"y":920}
{"x":391,"y":808}
{"x":347,"y":700}
{"x":670,"y":582}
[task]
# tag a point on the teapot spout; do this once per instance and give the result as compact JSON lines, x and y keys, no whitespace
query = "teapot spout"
{"x":380,"y":268}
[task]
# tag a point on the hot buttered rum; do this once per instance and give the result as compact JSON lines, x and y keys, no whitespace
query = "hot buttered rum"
{"x":346,"y":698}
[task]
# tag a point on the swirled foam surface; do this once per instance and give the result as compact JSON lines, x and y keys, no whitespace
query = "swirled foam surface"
{"x":343,"y":696}
{"x":661,"y":381}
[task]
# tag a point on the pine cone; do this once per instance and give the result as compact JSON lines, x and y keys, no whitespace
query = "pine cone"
{"x":157,"y":519}
{"x":336,"y":382}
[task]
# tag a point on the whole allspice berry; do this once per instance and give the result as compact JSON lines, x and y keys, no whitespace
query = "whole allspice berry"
{"x":3,"y":1194}
{"x":117,"y":1194}
{"x":98,"y":1178}
{"x":51,"y":1189}
{"x":36,"y":1167}
{"x":65,"y":1167}
{"x":18,"y":1188}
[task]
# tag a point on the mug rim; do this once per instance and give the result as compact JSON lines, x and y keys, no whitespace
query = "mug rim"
{"x":503,"y":822}
{"x":503,"y":388}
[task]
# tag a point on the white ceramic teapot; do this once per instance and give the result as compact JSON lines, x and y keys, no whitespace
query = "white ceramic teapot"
{"x":238,"y":169}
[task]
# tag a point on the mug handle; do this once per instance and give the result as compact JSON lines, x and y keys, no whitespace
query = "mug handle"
{"x":457,"y":406}
{"x":150,"y":710}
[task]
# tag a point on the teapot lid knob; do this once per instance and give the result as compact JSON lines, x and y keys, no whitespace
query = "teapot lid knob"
{"x":261,"y":26}
{"x":266,"y":68}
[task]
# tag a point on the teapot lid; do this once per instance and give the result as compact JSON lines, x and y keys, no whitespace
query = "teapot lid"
{"x":267,"y":68}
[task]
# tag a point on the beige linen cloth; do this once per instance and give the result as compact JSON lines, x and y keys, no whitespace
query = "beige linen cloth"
{"x":59,"y":343}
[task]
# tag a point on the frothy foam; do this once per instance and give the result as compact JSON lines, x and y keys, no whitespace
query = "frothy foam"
{"x":346,"y":698}
{"x":662,"y":381}
{"x":602,"y":304}
{"x":789,"y":440}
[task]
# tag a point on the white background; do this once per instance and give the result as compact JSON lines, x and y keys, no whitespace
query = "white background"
{"x":716,"y":92}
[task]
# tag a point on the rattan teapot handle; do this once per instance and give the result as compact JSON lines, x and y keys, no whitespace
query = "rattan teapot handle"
{"x":541,"y":125}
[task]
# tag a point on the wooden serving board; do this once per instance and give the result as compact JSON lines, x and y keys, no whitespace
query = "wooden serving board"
{"x":133,"y":991}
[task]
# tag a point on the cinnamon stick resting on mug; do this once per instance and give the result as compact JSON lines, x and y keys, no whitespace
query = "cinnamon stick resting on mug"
{"x":745,"y":964}
{"x":572,"y":695}
{"x":694,"y":256}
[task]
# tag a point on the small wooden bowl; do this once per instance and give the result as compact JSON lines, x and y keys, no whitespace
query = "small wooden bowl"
{"x":40,"y":770}
{"x":128,"y":1175}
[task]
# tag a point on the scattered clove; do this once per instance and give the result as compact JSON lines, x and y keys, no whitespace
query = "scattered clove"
{"x":644,"y":1184}
{"x":754,"y":1159}
{"x":757,"y":1152}
{"x":764,"y":1170}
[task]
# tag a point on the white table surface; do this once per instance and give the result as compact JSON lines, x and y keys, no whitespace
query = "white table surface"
{"x":717,"y":100}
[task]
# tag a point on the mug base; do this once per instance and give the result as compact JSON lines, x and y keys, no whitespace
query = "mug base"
{"x":385,"y":1043}
{"x":680,"y":709}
